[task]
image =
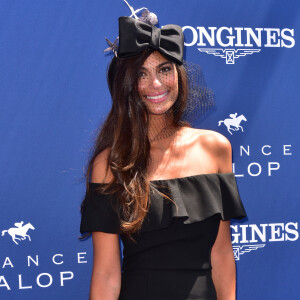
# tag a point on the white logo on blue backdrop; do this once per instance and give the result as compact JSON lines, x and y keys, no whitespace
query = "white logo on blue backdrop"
{"x":229,"y":54}
{"x":239,"y":250}
{"x":19,"y":232}
{"x":233,"y":123}
{"x":247,"y":238}
{"x":231,"y":43}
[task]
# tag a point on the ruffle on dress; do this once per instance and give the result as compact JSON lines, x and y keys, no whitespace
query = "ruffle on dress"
{"x":197,"y":197}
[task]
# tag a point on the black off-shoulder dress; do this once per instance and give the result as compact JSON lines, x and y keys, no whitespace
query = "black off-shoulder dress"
{"x":171,"y":257}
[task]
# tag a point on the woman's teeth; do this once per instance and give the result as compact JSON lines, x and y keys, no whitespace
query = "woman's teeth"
{"x":157,"y":97}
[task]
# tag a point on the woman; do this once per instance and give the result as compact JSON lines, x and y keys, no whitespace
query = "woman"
{"x":166,"y":188}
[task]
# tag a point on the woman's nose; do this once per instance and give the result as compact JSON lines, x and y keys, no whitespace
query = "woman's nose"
{"x":156,"y":82}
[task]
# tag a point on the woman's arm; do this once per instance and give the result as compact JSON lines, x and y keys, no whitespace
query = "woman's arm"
{"x":222,"y":259}
{"x":223,"y":264}
{"x":106,"y":275}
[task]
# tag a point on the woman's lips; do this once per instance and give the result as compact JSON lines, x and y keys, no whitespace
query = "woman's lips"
{"x":157,"y":98}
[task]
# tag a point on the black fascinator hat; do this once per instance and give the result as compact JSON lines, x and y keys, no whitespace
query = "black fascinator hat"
{"x":137,"y":34}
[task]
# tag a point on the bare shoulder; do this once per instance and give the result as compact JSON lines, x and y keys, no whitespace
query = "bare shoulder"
{"x":210,"y":139}
{"x":218,"y":147}
{"x":215,"y":142}
{"x":100,"y":172}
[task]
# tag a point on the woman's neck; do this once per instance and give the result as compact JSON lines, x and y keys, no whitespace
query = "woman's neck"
{"x":160,"y":127}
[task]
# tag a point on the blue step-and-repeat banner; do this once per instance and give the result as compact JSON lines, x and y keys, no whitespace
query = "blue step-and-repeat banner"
{"x":53,"y":97}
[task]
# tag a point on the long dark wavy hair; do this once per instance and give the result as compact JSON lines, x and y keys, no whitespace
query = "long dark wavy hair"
{"x":124,"y":133}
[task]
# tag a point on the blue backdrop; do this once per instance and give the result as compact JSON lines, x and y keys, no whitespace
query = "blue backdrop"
{"x":53,"y":96}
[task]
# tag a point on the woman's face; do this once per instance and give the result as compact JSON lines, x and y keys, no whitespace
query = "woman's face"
{"x":158,"y":84}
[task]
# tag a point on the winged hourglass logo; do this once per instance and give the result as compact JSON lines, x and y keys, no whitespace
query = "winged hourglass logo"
{"x":239,"y":250}
{"x":19,"y":232}
{"x":229,"y":54}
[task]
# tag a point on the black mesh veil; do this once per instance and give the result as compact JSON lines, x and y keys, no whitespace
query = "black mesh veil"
{"x":175,"y":96}
{"x":200,"y":99}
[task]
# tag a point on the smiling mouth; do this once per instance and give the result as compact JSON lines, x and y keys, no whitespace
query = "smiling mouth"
{"x":158,"y":98}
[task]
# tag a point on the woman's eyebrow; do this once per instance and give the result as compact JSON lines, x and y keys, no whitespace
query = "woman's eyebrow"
{"x":158,"y":66}
{"x":164,"y":63}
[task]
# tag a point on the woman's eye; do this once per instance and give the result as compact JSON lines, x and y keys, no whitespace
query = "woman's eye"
{"x":141,"y":74}
{"x":165,"y":69}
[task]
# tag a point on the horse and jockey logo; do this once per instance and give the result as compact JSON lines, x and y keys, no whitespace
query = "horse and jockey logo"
{"x":233,"y":121}
{"x":20,"y":230}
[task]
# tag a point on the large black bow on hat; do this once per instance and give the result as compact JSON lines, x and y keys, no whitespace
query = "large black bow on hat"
{"x":136,"y":36}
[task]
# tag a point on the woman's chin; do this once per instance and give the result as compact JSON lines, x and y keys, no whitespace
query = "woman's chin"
{"x":159,"y":108}
{"x":160,"y":111}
